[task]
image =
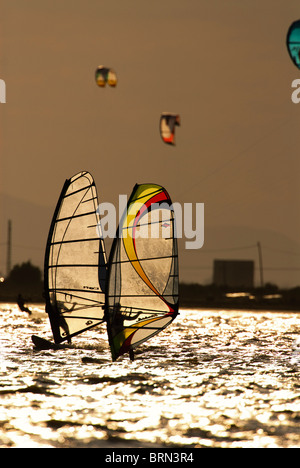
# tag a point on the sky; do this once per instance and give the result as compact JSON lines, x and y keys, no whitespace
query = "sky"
{"x":223,"y":66}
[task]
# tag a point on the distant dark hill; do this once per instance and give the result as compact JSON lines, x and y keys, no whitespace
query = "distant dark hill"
{"x":23,"y":283}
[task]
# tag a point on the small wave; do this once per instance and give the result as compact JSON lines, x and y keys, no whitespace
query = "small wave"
{"x":29,"y":389}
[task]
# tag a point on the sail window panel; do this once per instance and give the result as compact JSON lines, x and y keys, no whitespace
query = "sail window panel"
{"x":82,"y":228}
{"x":136,"y":303}
{"x":73,"y":278}
{"x":158,"y":275}
{"x":75,"y":306}
{"x":132,"y":283}
{"x":59,"y":231}
{"x":79,"y":199}
{"x":77,"y":202}
{"x":72,"y":213}
{"x":75,"y":253}
{"x":77,"y":207}
{"x":89,"y":298}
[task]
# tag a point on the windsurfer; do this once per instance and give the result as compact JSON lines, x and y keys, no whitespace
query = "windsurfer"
{"x":60,"y":320}
{"x":117,"y":320}
{"x":21,"y":304}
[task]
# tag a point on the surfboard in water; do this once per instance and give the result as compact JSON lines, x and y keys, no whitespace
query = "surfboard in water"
{"x":142,"y":281}
{"x":75,"y":261}
{"x":41,"y":344}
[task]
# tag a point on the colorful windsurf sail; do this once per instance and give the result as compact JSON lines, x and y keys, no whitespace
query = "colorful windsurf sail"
{"x":75,"y":261}
{"x":167,"y":125}
{"x":142,"y":281}
{"x":293,"y":42}
{"x":105,"y":75}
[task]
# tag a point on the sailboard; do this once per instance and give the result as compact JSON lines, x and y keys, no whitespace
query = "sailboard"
{"x":41,"y":344}
{"x":142,"y":278}
{"x":75,"y":261}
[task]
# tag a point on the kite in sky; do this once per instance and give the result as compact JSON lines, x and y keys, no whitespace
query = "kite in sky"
{"x":293,"y":42}
{"x":167,"y":125}
{"x":105,"y":75}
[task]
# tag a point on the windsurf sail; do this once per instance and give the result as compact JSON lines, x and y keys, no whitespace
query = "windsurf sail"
{"x":142,"y":281}
{"x":75,"y":261}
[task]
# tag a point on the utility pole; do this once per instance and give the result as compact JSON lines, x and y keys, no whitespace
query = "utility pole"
{"x":260,"y":265}
{"x":8,"y":257}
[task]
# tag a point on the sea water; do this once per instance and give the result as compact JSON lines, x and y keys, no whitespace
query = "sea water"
{"x":213,"y":378}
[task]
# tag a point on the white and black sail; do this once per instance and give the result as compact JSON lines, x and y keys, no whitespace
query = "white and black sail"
{"x":75,"y":261}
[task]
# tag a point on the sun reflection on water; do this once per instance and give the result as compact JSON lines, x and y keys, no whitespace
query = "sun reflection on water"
{"x":212,"y":379}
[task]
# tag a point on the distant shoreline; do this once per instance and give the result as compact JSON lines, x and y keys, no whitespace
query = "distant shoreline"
{"x":202,"y":307}
{"x":269,"y":298}
{"x":241,"y":307}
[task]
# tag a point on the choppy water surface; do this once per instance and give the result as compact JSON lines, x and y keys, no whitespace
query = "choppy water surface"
{"x":212,"y":379}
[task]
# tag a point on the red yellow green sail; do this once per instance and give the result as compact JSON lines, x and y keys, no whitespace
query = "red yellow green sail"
{"x":142,"y":284}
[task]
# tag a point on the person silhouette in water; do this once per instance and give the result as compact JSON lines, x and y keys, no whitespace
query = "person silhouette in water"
{"x":117,"y":322}
{"x":21,"y":304}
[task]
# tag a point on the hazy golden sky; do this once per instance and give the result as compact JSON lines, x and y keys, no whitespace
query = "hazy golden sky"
{"x":222,"y":65}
